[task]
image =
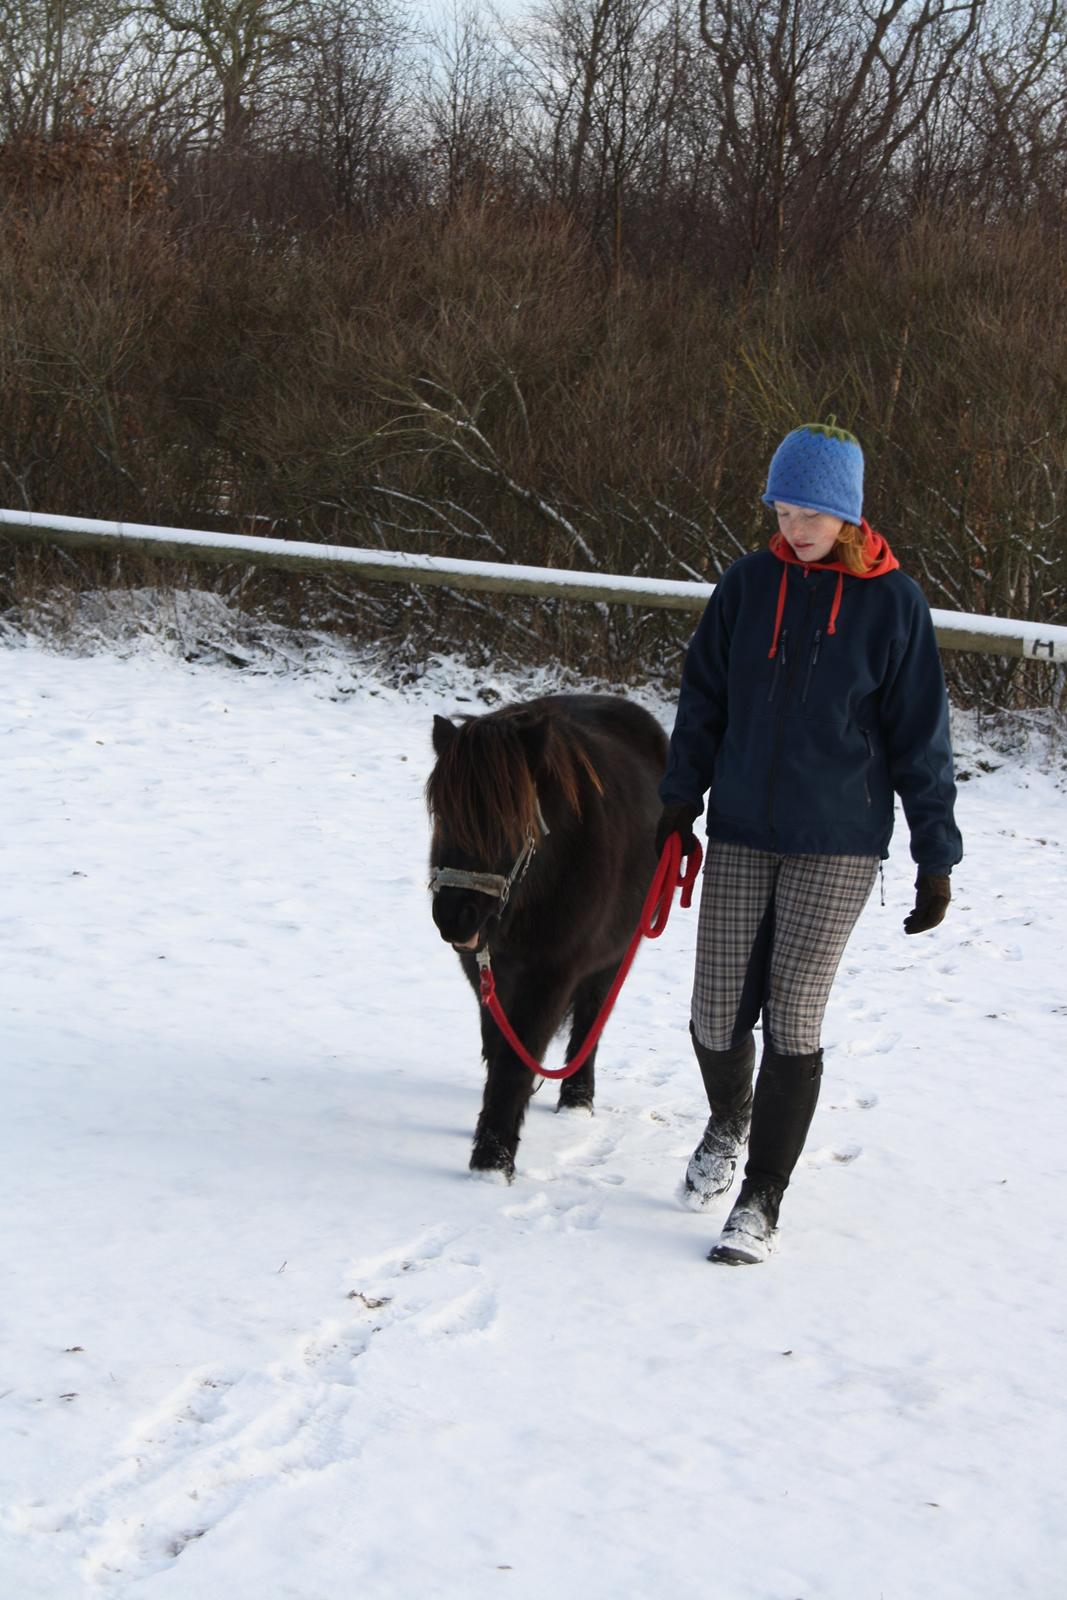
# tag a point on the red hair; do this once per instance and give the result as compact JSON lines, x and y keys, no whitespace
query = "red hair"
{"x":851,"y":549}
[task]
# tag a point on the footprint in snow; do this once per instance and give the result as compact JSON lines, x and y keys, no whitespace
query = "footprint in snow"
{"x":425,"y":1289}
{"x":879,"y":1043}
{"x":941,"y":1002}
{"x":592,"y":1152}
{"x":996,"y":952}
{"x":831,"y":1155}
{"x":655,"y":1077}
{"x":197,"y":1403}
{"x":539,"y":1214}
{"x":221,"y":1438}
{"x":471,"y":1311}
{"x":332,"y":1351}
{"x":426,"y":1248}
{"x":195,"y":1461}
{"x":854,"y":1102}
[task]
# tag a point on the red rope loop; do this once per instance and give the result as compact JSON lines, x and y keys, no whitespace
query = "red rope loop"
{"x":653,"y":920}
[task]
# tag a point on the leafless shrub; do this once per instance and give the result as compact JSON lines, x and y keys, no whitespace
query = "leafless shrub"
{"x":548,"y":293}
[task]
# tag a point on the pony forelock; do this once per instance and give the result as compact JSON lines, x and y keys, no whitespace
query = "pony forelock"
{"x":482,"y":793}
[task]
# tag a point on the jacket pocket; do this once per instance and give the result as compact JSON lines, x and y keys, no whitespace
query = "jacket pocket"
{"x":778,"y":666}
{"x":812,"y":659}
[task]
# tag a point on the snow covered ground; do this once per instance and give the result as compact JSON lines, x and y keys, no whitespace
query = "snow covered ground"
{"x":263,"y":1336}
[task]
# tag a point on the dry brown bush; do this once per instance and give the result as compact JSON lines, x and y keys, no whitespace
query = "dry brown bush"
{"x":467,"y":382}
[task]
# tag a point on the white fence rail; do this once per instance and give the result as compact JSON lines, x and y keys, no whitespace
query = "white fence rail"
{"x":956,"y":630}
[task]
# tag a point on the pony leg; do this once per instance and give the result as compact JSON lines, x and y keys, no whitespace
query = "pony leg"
{"x":535,"y":1015}
{"x":589,"y":997}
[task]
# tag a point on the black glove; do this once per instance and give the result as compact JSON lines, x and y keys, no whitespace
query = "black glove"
{"x":677,"y":819}
{"x":932,"y":895}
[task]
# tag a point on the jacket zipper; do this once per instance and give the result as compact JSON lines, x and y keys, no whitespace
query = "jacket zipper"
{"x":811,"y":666}
{"x":870,"y":760}
{"x":780,"y":731}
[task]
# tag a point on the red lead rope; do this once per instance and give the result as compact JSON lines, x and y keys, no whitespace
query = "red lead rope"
{"x":654,"y":915}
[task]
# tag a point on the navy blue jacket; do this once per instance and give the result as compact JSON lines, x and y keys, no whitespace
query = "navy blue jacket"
{"x":802,"y":752}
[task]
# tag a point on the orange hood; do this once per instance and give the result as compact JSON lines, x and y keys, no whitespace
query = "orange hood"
{"x":877,"y":554}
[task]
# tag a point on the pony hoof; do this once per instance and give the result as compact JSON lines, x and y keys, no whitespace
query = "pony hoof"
{"x":490,"y":1154}
{"x":575,"y":1102}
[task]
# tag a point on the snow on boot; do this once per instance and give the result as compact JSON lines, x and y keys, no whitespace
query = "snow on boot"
{"x":727,"y":1076}
{"x":787,"y":1089}
{"x":711,"y":1166}
{"x":748,"y":1236}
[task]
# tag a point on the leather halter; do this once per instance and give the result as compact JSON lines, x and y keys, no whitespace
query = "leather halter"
{"x":493,"y":883}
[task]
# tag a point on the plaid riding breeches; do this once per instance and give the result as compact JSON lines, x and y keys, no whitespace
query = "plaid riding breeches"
{"x":771,"y":935}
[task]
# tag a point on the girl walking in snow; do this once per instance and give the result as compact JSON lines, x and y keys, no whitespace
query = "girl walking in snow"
{"x":812,"y":690}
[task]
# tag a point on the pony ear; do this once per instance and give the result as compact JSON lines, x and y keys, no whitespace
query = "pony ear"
{"x":533,"y":736}
{"x":443,"y":734}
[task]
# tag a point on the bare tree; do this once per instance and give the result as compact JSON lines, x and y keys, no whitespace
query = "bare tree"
{"x":243,"y":49}
{"x":604,"y":79}
{"x":465,"y":105}
{"x":55,"y":55}
{"x":344,"y":105}
{"x":816,"y":102}
{"x":1020,"y":111}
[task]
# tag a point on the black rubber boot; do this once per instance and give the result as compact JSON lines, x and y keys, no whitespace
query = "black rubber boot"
{"x":727,"y":1076}
{"x":787,"y":1091}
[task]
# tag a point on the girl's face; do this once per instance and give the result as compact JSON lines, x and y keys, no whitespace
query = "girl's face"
{"x":811,"y":535}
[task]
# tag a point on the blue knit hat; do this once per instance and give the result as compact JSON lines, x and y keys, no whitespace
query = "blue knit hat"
{"x":818,"y":466}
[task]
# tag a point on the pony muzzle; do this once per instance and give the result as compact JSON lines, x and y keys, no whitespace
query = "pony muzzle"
{"x":457,"y":893}
{"x":462,"y":915}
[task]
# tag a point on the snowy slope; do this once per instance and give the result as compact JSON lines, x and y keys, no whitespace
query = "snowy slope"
{"x":263,"y":1336}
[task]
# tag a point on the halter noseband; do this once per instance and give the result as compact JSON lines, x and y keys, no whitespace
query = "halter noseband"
{"x":494,"y":883}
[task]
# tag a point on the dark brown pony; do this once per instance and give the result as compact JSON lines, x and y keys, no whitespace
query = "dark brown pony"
{"x":544,"y":817}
